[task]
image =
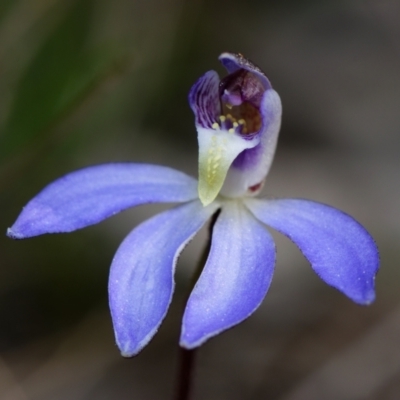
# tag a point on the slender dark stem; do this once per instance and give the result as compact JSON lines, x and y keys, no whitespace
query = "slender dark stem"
{"x":187,"y":357}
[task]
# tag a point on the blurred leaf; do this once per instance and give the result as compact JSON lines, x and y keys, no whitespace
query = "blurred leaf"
{"x":5,"y":5}
{"x":59,"y":73}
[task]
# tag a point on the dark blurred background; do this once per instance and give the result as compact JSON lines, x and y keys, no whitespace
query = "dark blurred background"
{"x":93,"y":81}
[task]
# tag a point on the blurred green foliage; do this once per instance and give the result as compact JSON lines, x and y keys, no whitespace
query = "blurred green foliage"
{"x":61,"y":72}
{"x":5,"y":5}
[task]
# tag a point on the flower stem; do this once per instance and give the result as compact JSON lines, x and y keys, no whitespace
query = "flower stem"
{"x":185,"y":373}
{"x":187,"y":357}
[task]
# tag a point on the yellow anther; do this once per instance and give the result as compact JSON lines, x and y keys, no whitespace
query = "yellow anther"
{"x":235,"y":124}
{"x":229,"y":116}
{"x":242,"y":121}
{"x":231,"y":130}
{"x":229,"y":106}
{"x":215,"y":126}
{"x":222,"y":118}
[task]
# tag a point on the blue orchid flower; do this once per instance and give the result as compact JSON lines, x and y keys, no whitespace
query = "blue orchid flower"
{"x":238,"y":121}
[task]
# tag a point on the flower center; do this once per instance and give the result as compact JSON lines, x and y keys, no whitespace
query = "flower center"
{"x":240,"y":95}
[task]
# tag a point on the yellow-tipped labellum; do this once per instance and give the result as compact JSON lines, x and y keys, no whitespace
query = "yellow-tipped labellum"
{"x":217,"y":150}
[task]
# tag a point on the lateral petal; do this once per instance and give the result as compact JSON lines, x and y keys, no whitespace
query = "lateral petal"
{"x":141,"y":278}
{"x":339,"y":249}
{"x":235,"y":278}
{"x":88,"y":196}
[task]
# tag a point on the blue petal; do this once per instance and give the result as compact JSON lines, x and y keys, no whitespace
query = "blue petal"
{"x":235,"y":278}
{"x":141,"y":278}
{"x":88,"y":196}
{"x":339,"y":249}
